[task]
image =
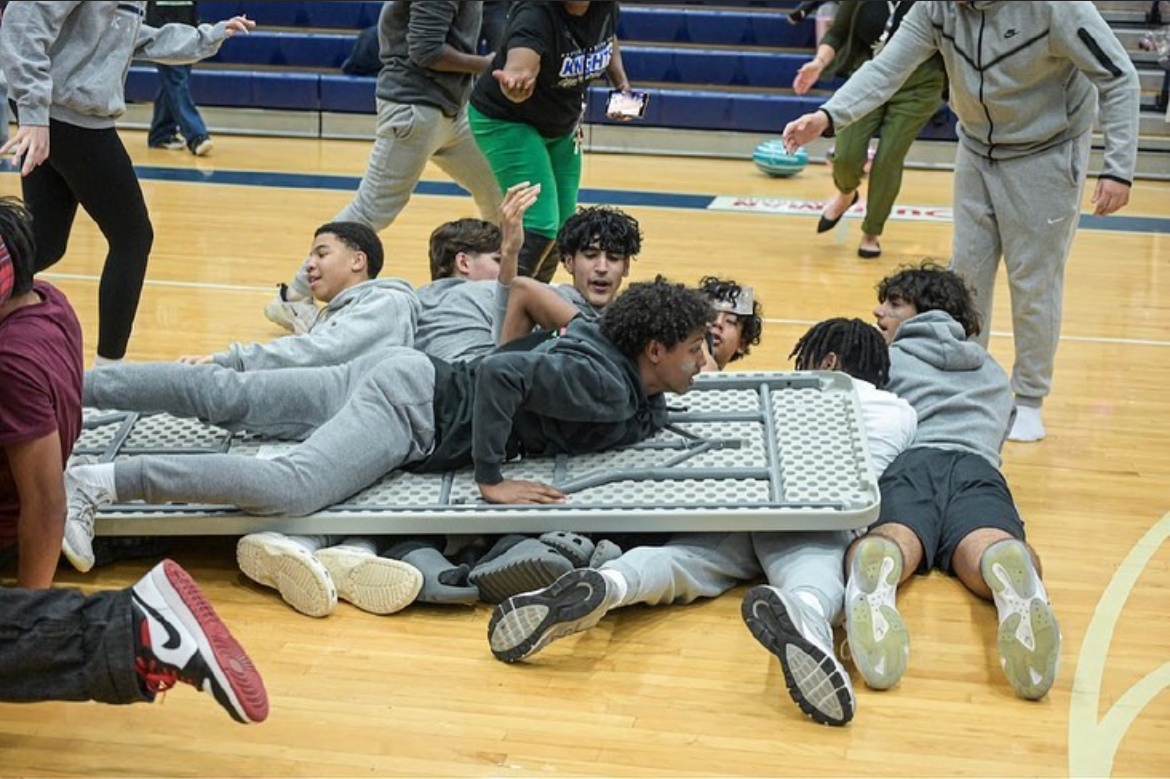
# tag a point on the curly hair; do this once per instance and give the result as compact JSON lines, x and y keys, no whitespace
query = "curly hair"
{"x":929,"y":286}
{"x":17,"y":231}
{"x":654,"y":311}
{"x":609,"y":229}
{"x":470,"y":236}
{"x":861,"y":351}
{"x":726,"y":291}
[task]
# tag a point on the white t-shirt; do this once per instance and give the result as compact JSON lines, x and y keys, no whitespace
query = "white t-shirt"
{"x":890,"y":423}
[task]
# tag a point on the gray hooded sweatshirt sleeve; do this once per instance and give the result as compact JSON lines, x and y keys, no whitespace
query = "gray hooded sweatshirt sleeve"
{"x":960,"y":393}
{"x":362,"y":319}
{"x":68,"y":60}
{"x":1024,"y":77}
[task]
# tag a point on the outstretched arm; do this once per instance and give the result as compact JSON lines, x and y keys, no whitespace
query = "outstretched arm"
{"x":36,"y":469}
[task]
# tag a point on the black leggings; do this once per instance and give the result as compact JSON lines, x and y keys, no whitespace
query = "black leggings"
{"x":92,"y":168}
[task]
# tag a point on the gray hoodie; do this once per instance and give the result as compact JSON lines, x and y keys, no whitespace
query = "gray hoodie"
{"x":364,"y":318}
{"x":68,"y":60}
{"x":456,"y":319}
{"x":961,"y":395}
{"x":1024,"y":77}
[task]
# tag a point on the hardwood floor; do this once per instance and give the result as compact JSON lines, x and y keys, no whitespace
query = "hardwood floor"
{"x":669,"y":691}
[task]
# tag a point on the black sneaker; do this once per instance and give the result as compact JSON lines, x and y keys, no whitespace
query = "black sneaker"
{"x":180,"y":638}
{"x":526,"y":623}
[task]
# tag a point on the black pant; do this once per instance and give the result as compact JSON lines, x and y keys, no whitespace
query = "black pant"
{"x":92,"y":168}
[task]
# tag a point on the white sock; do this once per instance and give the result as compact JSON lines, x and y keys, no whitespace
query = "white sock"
{"x":311,"y":543}
{"x":1028,"y":425}
{"x":98,"y":475}
{"x":98,"y":361}
{"x":360,"y":544}
{"x":618,"y":586}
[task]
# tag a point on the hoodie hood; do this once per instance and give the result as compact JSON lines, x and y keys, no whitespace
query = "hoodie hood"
{"x":939,"y":341}
{"x":958,"y":390}
{"x":362,"y":291}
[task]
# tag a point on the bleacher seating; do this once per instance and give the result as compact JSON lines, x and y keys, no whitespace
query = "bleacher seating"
{"x":724,"y":65}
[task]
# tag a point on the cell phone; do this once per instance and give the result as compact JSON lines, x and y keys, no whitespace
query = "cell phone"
{"x":626,"y":105}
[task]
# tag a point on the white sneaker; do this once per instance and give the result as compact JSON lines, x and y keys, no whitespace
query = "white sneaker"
{"x":203,"y":147}
{"x":803,"y":642}
{"x":296,"y":316}
{"x":375,"y":584}
{"x":277,"y":561}
{"x":526,"y":623}
{"x":1028,"y":426}
{"x":82,"y":501}
{"x":1029,"y":638}
{"x":878,"y":639}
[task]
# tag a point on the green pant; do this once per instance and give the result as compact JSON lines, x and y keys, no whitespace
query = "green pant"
{"x":899,"y":121}
{"x":517,"y":153}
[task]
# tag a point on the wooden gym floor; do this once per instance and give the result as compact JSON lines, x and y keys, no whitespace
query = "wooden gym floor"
{"x":669,"y":691}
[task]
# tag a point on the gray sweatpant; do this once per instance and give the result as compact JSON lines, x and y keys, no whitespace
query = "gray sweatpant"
{"x":1025,"y":210}
{"x":705,"y":565}
{"x":357,"y":421}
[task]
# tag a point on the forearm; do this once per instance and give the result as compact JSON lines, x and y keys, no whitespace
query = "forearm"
{"x":451,"y":60}
{"x":179,"y":44}
{"x":616,"y":70}
{"x":41,"y":530}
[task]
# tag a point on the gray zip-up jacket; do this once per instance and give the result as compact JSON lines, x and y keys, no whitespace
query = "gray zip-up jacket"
{"x":411,"y":36}
{"x":362,"y":319}
{"x":960,"y":393}
{"x":1022,"y":77}
{"x":68,"y":60}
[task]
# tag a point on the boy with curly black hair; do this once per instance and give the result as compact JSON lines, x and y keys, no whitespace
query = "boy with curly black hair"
{"x":945,"y":503}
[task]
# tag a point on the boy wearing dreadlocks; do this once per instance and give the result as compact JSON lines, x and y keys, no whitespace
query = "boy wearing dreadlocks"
{"x":40,"y":403}
{"x":945,"y":503}
{"x":804,"y":569}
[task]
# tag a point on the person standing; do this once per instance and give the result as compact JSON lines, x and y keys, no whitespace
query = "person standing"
{"x":1025,"y":79}
{"x":526,"y":111}
{"x":176,"y":121}
{"x":429,"y":60}
{"x":859,"y":30}
{"x":66,"y":65}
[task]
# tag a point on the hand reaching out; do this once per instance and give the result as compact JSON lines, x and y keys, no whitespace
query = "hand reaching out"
{"x":525,"y":492}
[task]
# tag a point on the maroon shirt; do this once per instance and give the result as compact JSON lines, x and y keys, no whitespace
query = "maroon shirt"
{"x":40,"y":386}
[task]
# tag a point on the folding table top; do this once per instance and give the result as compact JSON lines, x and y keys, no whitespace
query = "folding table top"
{"x":743,"y":451}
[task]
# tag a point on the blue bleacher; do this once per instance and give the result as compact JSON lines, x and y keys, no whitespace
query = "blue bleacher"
{"x":725,"y":66}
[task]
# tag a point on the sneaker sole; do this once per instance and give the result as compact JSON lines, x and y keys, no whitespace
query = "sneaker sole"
{"x":878,"y":638}
{"x":816,"y":680}
{"x":1009,"y":573}
{"x":82,"y":563}
{"x":528,"y":566}
{"x":290,"y":569}
{"x":238,"y":688}
{"x":378,"y":585}
{"x":526,"y":623}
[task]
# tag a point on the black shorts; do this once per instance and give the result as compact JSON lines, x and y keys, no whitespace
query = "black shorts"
{"x":943,"y":496}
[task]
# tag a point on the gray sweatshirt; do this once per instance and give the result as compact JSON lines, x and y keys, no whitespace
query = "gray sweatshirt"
{"x":1024,"y":77}
{"x":961,"y":395}
{"x":364,"y":318}
{"x":455,"y":323}
{"x":411,"y":37}
{"x":68,"y":60}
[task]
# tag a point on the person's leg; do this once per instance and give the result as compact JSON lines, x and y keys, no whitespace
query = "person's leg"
{"x":60,"y":645}
{"x":984,"y":545}
{"x":95,"y":165}
{"x":163,"y":121}
{"x":565,"y":157}
{"x":186,"y":113}
{"x":976,"y":246}
{"x":405,"y":138}
{"x":52,"y":203}
{"x":517,"y":153}
{"x":460,"y":158}
{"x":1037,"y":238}
{"x":792,"y":617}
{"x":690,"y":566}
{"x":289,"y":403}
{"x":906,"y":114}
{"x":387,"y":422}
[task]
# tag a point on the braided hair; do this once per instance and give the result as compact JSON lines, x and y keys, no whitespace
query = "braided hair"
{"x":860,"y":349}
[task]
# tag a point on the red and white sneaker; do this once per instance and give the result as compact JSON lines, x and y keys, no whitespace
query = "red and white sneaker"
{"x":180,"y":638}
